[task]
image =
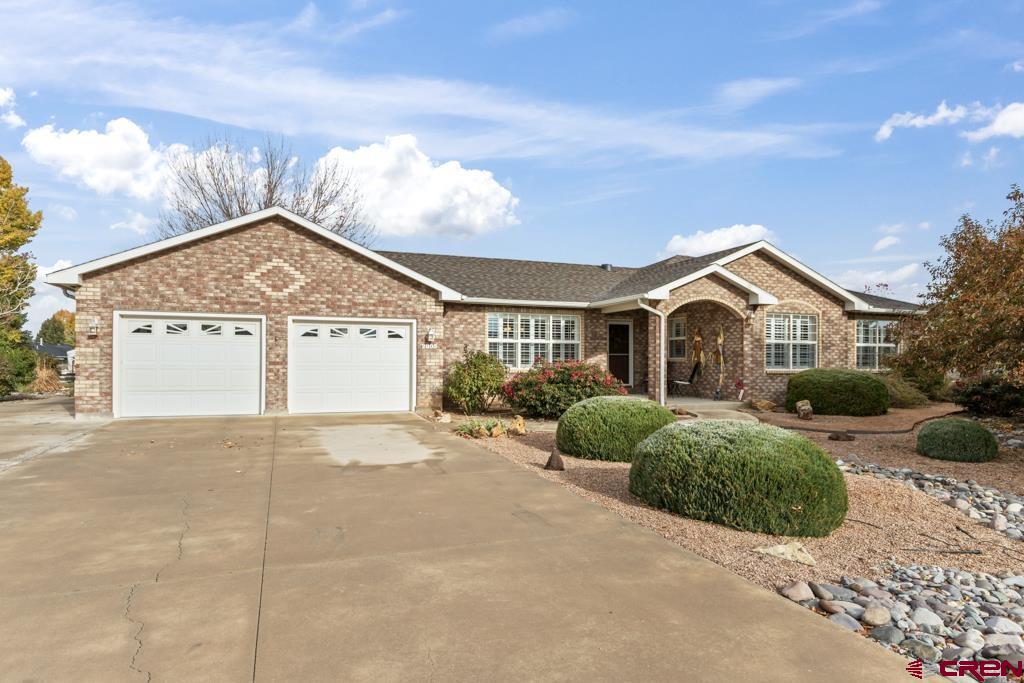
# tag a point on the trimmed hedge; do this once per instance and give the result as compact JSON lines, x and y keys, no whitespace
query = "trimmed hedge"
{"x":956,"y":439}
{"x":609,"y":427}
{"x":838,"y":392}
{"x":748,"y":476}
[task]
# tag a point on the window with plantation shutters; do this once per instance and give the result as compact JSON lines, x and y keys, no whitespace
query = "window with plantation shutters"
{"x":790,"y":341}
{"x":520,"y":340}
{"x":875,"y":341}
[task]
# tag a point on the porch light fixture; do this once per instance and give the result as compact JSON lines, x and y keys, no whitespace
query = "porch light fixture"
{"x":93,"y":329}
{"x":751,"y":312}
{"x":429,"y":336}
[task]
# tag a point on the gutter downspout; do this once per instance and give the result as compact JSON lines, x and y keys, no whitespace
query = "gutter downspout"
{"x":663,"y":372}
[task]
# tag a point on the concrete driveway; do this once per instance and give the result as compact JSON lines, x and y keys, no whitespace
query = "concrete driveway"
{"x":362,"y":548}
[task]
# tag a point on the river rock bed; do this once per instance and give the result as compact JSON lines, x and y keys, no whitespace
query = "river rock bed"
{"x":1009,"y":432}
{"x":999,"y":510}
{"x":926,"y":612}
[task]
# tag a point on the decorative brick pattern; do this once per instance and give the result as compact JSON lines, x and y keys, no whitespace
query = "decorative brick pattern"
{"x":209,"y":276}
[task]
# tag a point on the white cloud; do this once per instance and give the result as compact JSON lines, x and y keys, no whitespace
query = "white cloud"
{"x":135,"y":222}
{"x":1008,"y":121}
{"x":405,"y":192}
{"x":1017,"y":66}
{"x":924,"y":225}
{"x":7,"y":114}
{"x":257,"y":75}
{"x":885,"y":243}
{"x":47,"y":300}
{"x":967,"y":159}
{"x":63,"y":212}
{"x":991,"y":157}
{"x":943,"y":116}
{"x":528,"y":25}
{"x":120,"y":159}
{"x":825,"y":18}
{"x":747,"y":91}
{"x":702,"y":242}
{"x":901,"y":280}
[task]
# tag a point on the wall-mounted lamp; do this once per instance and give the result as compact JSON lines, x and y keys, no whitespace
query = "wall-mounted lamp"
{"x":751,"y":312}
{"x":93,"y":329}
{"x":429,"y":336}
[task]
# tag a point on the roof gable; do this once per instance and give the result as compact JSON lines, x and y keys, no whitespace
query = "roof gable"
{"x":72,"y":277}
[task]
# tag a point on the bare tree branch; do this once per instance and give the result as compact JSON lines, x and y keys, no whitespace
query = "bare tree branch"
{"x":225,"y":181}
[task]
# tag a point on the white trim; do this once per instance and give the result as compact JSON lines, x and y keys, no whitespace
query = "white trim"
{"x":755,"y":295}
{"x":662,"y":360}
{"x":607,"y":303}
{"x":115,"y":356}
{"x":629,"y":323}
{"x":72,"y":277}
{"x":853,"y":303}
{"x":525,"y":302}
{"x":411,"y":322}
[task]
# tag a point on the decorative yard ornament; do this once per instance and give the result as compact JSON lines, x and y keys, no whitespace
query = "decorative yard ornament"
{"x":697,"y":357}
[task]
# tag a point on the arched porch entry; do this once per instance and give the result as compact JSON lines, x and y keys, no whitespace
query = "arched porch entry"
{"x":706,"y":318}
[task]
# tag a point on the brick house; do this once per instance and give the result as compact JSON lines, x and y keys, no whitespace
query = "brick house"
{"x":270,"y":313}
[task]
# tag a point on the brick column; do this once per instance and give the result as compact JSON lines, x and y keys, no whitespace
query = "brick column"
{"x":655,"y":363}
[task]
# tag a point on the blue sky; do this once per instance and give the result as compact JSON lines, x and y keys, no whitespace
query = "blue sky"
{"x":851,"y":133}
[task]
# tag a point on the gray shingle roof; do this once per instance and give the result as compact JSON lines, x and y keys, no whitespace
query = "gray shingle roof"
{"x":661,"y":273}
{"x":498,"y":278}
{"x":886,"y":302}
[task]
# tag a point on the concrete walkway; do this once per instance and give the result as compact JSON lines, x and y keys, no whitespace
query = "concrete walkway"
{"x":286,"y":549}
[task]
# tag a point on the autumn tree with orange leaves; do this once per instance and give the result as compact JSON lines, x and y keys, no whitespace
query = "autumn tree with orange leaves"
{"x":974,"y":321}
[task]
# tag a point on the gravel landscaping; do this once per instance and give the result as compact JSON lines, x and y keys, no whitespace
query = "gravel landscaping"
{"x":927,"y":612}
{"x":887,"y":521}
{"x":1005,"y":473}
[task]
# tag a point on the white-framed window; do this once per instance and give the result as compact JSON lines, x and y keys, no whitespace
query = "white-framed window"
{"x":875,"y":341}
{"x":176,"y":328}
{"x":677,"y":337}
{"x":517,"y":340}
{"x":144,"y":328}
{"x":211,"y":329}
{"x":790,"y":341}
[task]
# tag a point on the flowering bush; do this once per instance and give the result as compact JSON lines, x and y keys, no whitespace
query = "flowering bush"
{"x":548,"y":389}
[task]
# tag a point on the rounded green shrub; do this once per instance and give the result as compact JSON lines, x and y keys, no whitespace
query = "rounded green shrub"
{"x":748,"y":476}
{"x":838,"y":392}
{"x":609,"y":427}
{"x":956,"y":439}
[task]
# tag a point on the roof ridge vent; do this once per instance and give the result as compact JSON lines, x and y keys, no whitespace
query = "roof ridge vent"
{"x":606,"y":266}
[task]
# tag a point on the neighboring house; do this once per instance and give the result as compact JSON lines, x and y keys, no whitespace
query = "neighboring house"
{"x":63,"y":356}
{"x":271,"y":313}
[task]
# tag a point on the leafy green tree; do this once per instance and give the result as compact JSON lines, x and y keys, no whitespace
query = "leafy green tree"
{"x":51,"y":332}
{"x":18,"y":225}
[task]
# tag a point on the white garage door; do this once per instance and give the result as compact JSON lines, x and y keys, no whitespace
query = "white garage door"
{"x":188,"y":366}
{"x":349,"y":366}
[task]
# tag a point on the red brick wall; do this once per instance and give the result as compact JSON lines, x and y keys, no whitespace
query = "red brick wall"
{"x":271,"y":268}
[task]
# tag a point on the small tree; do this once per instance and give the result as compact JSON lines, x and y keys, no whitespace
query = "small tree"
{"x":974,"y":320}
{"x":226,"y":181}
{"x":18,"y":225}
{"x":475,"y":381}
{"x":59,"y":328}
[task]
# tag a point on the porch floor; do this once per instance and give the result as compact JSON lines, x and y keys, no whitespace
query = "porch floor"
{"x":696,"y":404}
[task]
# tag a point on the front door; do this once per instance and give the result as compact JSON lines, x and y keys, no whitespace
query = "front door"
{"x":620,"y":351}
